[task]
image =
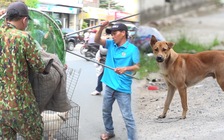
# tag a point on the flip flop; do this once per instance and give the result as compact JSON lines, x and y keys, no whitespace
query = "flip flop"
{"x":107,"y":136}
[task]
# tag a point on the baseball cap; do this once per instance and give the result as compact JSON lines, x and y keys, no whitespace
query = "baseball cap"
{"x":21,"y":7}
{"x":116,"y":27}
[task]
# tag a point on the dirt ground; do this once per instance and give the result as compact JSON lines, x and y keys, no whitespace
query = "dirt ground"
{"x":205,"y":117}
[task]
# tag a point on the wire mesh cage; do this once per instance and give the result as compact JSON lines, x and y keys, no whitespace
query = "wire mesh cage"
{"x":72,"y":80}
{"x":63,"y":125}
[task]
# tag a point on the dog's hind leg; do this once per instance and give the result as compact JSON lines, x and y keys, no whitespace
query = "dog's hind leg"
{"x":169,"y":97}
{"x":183,"y":95}
{"x":220,"y":79}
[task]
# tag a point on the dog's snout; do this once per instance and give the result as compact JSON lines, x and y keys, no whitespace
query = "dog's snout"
{"x":159,"y":59}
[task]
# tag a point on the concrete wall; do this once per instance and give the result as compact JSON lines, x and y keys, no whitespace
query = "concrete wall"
{"x":91,"y":3}
{"x":152,"y":10}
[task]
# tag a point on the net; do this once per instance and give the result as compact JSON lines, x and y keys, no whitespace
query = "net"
{"x":46,"y":33}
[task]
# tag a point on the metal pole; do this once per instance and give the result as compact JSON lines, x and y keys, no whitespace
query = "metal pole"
{"x":99,"y":63}
{"x":100,"y":25}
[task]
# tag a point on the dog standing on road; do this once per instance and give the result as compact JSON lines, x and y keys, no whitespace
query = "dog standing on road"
{"x":184,"y":70}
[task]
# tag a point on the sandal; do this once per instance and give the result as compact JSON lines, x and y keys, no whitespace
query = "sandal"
{"x":106,"y":136}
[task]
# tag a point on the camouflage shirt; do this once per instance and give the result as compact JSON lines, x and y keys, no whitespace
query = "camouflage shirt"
{"x":17,"y":53}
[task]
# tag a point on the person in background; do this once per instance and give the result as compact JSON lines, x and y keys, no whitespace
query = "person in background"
{"x":49,"y":41}
{"x":124,"y":57}
{"x":86,"y":36}
{"x":105,"y":36}
{"x":101,"y":58}
{"x":37,"y":34}
{"x":19,"y":112}
{"x":92,"y":36}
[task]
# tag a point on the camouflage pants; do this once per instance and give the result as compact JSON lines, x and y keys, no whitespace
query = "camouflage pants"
{"x":27,"y":122}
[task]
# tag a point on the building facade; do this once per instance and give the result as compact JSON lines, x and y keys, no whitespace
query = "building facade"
{"x":94,"y":15}
{"x":91,"y":3}
{"x":67,"y":11}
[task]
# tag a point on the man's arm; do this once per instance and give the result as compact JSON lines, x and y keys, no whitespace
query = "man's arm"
{"x":98,"y":38}
{"x":47,"y":34}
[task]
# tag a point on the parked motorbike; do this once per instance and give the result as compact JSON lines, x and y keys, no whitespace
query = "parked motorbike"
{"x":89,"y":50}
{"x":81,"y":40}
{"x":86,"y":40}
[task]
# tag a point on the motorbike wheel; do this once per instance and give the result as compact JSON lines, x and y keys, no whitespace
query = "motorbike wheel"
{"x":82,"y":50}
{"x":71,"y":46}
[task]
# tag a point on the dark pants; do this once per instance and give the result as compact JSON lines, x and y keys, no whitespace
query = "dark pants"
{"x":99,"y":87}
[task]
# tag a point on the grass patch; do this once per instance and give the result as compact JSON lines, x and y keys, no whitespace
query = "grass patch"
{"x":185,"y":45}
{"x":182,"y":45}
{"x":147,"y":64}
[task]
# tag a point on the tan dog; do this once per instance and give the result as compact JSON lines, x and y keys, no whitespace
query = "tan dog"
{"x":184,"y":70}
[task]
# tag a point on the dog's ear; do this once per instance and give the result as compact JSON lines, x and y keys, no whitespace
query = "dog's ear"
{"x":153,"y":41}
{"x":170,"y":44}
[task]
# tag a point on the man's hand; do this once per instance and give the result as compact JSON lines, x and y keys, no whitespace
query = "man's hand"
{"x":66,"y":66}
{"x":120,"y":70}
{"x":50,"y":28}
{"x":99,"y":59}
{"x":104,"y":24}
{"x":2,"y":12}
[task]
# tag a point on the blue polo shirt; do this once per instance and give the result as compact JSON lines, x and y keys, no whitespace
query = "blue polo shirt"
{"x":123,"y":56}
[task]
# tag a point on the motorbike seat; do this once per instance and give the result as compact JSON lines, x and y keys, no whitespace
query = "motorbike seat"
{"x":95,"y":45}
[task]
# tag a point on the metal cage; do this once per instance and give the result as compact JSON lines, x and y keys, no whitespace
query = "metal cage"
{"x":65,"y":128}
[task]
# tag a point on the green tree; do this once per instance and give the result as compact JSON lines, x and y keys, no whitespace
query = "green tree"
{"x":113,"y":5}
{"x":32,"y":3}
{"x":84,"y":25}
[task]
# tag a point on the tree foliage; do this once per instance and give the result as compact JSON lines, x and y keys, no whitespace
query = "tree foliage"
{"x":5,"y":3}
{"x":84,"y":25}
{"x":113,"y":5}
{"x":32,"y":3}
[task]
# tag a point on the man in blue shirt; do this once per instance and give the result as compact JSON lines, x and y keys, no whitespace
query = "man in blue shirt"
{"x":124,"y":58}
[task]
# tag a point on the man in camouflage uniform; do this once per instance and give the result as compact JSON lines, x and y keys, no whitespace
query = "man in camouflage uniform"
{"x":18,"y":108}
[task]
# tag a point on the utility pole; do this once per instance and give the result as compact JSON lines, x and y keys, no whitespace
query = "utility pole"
{"x":81,"y":21}
{"x":109,"y":7}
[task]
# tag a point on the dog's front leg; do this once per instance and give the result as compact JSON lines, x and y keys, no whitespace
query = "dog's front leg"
{"x":169,"y":97}
{"x":183,"y":95}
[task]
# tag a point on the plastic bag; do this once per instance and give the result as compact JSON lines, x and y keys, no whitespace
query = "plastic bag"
{"x":143,"y":38}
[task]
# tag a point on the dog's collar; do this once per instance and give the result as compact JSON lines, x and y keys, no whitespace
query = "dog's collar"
{"x":62,"y":118}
